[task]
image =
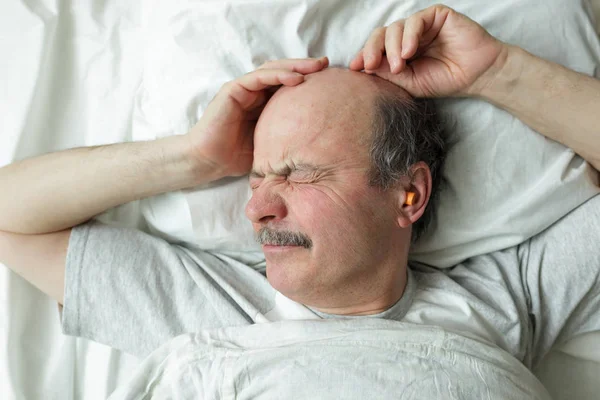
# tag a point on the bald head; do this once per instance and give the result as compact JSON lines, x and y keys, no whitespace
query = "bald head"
{"x":338,"y":115}
{"x":338,"y":82}
{"x":330,"y":108}
{"x":332,"y":98}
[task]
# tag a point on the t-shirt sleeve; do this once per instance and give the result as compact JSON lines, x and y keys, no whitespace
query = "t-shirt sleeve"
{"x":133,"y":291}
{"x":561,"y":271}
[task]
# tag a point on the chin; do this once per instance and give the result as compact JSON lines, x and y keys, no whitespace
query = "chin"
{"x":287,"y":278}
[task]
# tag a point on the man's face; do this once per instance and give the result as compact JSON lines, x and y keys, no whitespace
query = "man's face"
{"x":310,"y":179}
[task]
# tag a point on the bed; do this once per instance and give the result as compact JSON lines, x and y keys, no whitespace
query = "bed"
{"x":96,"y":72}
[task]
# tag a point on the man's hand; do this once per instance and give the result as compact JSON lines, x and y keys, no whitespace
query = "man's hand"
{"x":224,"y":135}
{"x":438,"y":52}
{"x":434,"y":53}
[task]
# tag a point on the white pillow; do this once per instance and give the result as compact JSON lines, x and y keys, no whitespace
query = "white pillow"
{"x":505,"y":182}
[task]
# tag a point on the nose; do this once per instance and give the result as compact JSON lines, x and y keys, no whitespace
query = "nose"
{"x":265,"y":206}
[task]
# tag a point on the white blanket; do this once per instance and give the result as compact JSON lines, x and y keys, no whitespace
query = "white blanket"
{"x":331,"y":359}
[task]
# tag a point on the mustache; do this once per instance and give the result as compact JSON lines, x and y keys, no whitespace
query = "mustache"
{"x":282,"y":238}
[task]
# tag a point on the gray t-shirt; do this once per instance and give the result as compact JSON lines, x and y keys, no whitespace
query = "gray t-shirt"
{"x":133,"y":291}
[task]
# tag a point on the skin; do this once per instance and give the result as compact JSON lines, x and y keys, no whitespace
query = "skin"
{"x":310,"y":175}
{"x":436,"y":52}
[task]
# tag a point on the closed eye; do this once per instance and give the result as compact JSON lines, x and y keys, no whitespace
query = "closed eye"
{"x":302,"y":181}
{"x":304,"y":176}
{"x":297,"y":173}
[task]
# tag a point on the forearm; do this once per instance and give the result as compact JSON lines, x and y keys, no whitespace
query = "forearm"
{"x":59,"y":190}
{"x":557,"y":102}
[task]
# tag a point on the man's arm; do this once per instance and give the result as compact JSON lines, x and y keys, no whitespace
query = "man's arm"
{"x":439,"y":52}
{"x":557,"y":102}
{"x":39,"y":259}
{"x":42,"y":198}
{"x":59,"y":190}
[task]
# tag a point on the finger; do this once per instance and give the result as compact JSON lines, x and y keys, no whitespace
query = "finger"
{"x":384,"y":70}
{"x":358,"y":63}
{"x":422,"y":28}
{"x":301,"y":65}
{"x":406,"y":79}
{"x":245,"y":89}
{"x":260,"y":100}
{"x":263,"y":97}
{"x":373,"y":50}
{"x":393,"y":46}
{"x":254,"y":115}
{"x":263,"y":78}
{"x":413,"y":31}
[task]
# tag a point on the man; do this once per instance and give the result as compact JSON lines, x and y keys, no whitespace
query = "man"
{"x":335,"y":220}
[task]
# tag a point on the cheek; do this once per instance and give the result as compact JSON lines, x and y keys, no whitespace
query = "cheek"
{"x":328,"y":216}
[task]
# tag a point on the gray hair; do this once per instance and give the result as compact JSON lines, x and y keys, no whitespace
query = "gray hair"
{"x":282,"y":238}
{"x":406,"y":131}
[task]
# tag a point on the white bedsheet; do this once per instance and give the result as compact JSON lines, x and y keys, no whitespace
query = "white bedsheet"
{"x":69,"y":74}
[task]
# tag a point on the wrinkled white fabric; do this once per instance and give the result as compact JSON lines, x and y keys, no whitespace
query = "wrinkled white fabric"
{"x":331,"y":359}
{"x":74,"y":73}
{"x":68,"y":77}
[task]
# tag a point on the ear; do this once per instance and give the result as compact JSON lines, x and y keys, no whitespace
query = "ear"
{"x":419,"y":183}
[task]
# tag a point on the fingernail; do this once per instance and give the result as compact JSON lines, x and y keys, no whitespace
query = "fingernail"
{"x":394,"y":64}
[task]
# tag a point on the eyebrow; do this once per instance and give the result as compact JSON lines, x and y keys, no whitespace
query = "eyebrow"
{"x":287,"y":170}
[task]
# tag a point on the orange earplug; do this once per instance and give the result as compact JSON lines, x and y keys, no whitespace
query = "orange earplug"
{"x":410,"y":198}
